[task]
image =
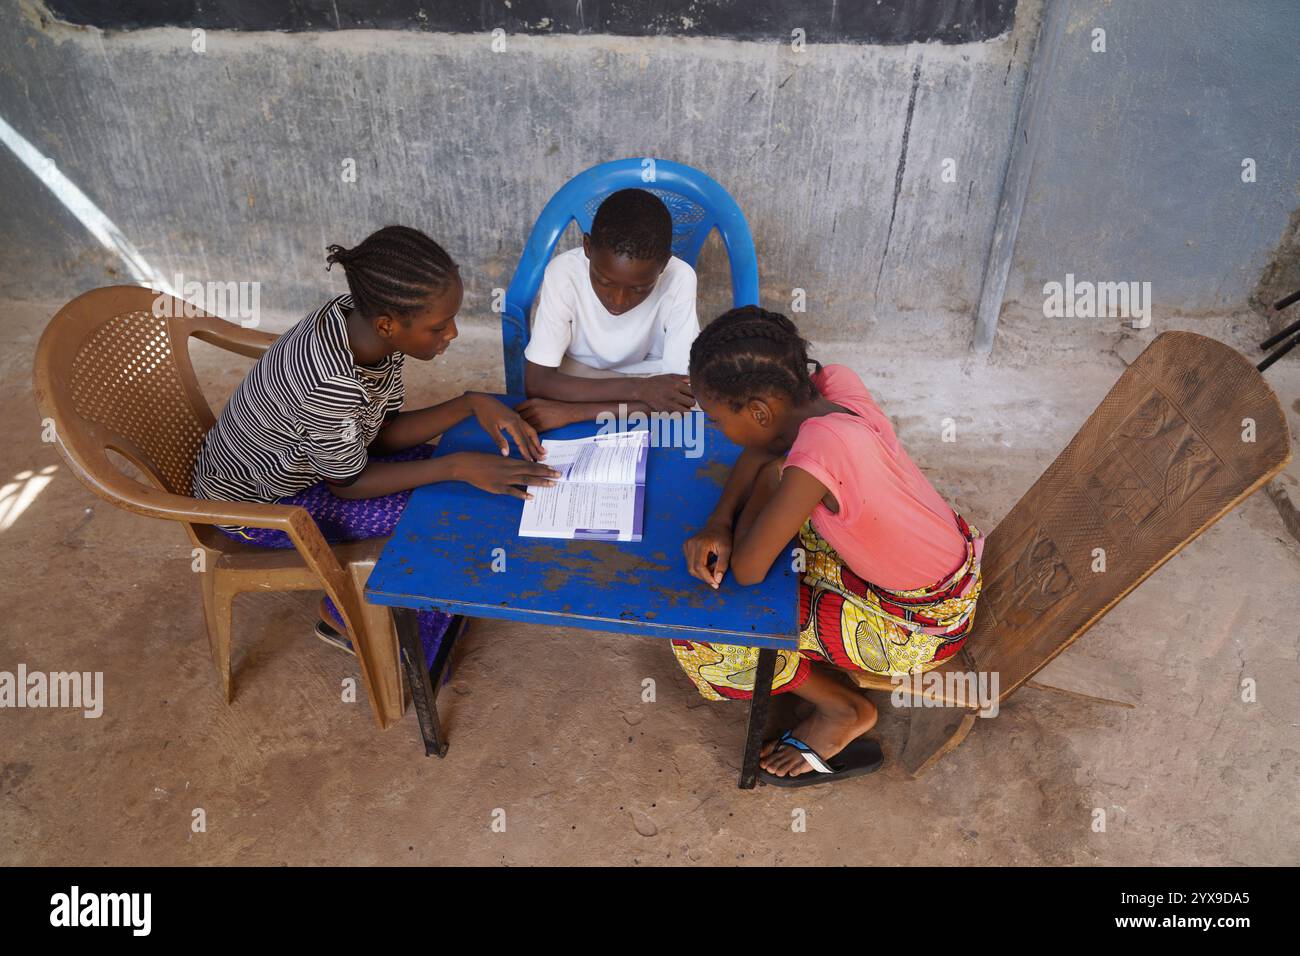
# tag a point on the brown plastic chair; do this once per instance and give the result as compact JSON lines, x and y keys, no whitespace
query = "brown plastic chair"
{"x":1189,"y":431}
{"x":112,"y":375}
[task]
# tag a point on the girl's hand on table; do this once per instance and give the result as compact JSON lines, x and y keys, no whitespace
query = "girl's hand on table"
{"x":711,"y":540}
{"x":497,"y":419}
{"x":500,"y":475}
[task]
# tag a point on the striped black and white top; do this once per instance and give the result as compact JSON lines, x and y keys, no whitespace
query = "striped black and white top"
{"x":306,"y":412}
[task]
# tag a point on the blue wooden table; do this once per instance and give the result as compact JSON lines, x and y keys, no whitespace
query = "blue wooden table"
{"x":457,"y":549}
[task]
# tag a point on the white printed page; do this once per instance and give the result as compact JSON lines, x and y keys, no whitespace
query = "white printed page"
{"x":616,"y":458}
{"x":601,"y":492}
{"x":583,"y":510}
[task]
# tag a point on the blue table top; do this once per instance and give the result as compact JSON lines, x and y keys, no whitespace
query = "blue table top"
{"x":440,"y":556}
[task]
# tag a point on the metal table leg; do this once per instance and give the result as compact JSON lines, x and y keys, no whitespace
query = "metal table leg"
{"x":424,"y":683}
{"x":757,"y":716}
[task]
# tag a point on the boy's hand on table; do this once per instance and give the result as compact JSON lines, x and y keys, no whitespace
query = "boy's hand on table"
{"x":500,"y":475}
{"x":667,"y":393}
{"x":543,"y":414}
{"x":713,"y":540}
{"x":497,"y":418}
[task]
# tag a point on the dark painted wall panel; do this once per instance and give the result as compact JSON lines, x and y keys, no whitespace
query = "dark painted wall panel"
{"x":852,"y":21}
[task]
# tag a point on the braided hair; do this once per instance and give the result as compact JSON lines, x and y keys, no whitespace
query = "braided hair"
{"x":751,"y":353}
{"x":394,"y":271}
{"x":634,"y":223}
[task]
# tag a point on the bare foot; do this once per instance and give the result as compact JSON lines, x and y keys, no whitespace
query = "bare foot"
{"x":828,"y":730}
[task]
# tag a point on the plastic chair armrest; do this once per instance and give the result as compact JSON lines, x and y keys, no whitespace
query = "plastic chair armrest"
{"x":293,"y":520}
{"x":157,"y":503}
{"x":236,"y":338}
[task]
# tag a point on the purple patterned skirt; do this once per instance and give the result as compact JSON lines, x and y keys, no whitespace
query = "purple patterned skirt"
{"x":354,"y":519}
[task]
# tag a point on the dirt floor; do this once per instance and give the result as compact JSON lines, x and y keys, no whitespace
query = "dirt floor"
{"x":548,"y":729}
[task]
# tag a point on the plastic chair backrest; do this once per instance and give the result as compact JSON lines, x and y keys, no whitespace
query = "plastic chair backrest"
{"x":698,"y":205}
{"x":114,"y":375}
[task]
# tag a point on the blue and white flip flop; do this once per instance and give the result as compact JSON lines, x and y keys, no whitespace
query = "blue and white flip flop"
{"x":331,"y":635}
{"x":861,"y":756}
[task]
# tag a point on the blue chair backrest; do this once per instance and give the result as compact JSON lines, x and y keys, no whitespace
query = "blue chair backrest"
{"x":697,"y":203}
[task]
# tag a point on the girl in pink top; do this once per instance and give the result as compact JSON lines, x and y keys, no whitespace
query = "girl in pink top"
{"x":891,"y":573}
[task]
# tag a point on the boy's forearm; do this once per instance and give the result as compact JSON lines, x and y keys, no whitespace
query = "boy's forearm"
{"x":381,"y":478}
{"x":543,"y":382}
{"x":415,"y":427}
{"x":590,"y":411}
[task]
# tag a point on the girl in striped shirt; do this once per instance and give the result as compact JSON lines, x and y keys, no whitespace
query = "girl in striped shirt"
{"x":318,"y":422}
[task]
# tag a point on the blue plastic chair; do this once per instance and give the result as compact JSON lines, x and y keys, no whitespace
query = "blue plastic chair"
{"x":697,"y":203}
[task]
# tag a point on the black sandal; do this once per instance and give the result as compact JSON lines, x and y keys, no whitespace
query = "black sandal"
{"x":860,"y":757}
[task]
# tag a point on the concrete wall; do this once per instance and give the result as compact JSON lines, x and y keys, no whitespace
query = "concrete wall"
{"x":227,"y":165}
{"x":1138,"y":176}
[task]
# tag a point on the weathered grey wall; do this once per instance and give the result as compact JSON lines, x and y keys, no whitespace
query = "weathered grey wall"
{"x":1138,"y":176}
{"x":226,"y":165}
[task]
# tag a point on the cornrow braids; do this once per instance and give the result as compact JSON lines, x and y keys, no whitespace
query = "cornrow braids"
{"x":634,"y":223}
{"x":394,"y":271}
{"x":750,"y":353}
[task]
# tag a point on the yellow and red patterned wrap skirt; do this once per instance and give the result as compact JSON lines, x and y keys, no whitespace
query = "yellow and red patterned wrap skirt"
{"x":851,"y":623}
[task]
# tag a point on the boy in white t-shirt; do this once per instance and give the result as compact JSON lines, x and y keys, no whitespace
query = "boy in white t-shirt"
{"x":615,"y":320}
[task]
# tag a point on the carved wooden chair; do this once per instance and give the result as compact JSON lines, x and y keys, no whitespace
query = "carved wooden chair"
{"x":1189,"y":431}
{"x":113,"y":376}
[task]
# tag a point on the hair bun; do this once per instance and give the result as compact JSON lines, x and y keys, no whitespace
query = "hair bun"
{"x":337,"y":253}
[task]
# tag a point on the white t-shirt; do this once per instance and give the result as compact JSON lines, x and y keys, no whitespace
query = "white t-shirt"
{"x":652,"y":339}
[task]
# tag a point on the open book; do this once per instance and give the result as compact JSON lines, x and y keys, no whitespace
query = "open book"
{"x":600,"y":494}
